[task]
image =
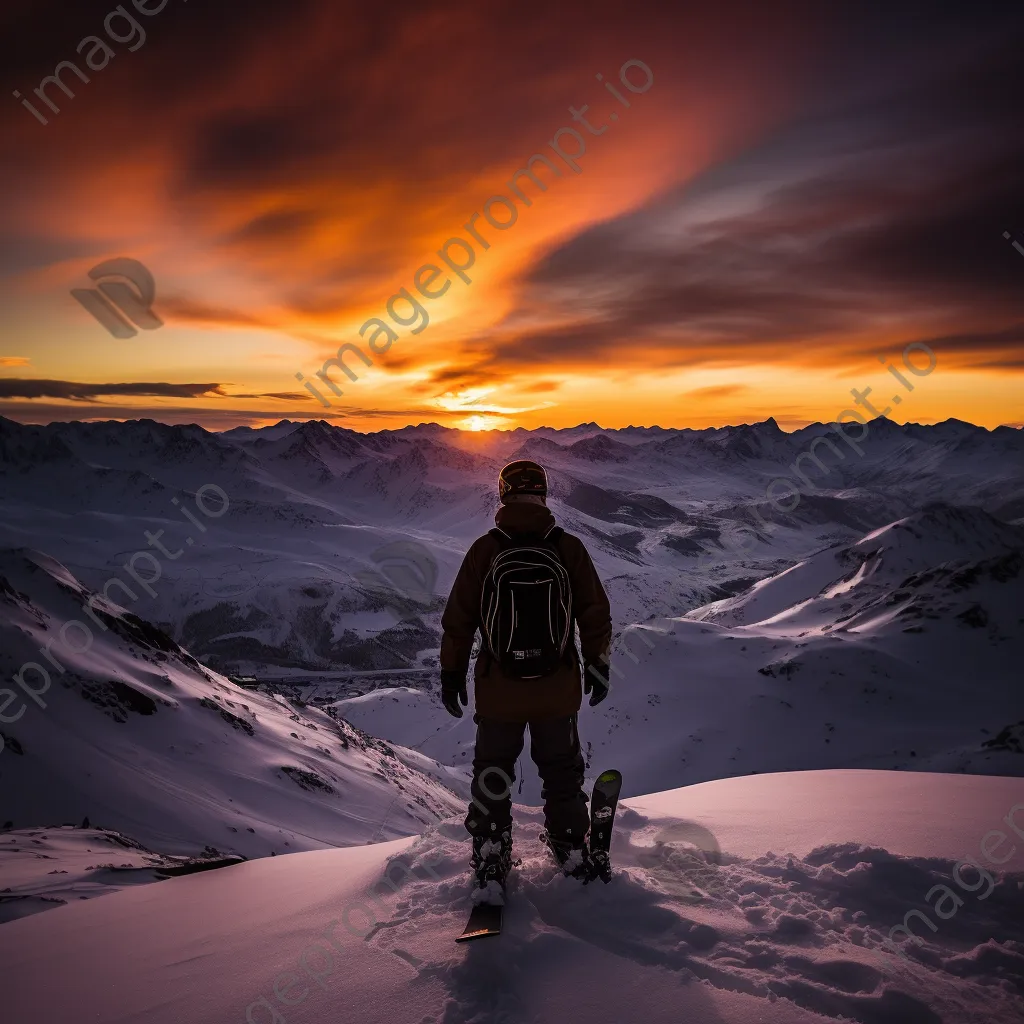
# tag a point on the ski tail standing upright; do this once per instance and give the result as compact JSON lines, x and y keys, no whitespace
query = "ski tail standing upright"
{"x":526,"y":586}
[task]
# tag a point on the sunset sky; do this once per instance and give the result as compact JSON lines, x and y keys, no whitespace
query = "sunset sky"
{"x":804,"y":188}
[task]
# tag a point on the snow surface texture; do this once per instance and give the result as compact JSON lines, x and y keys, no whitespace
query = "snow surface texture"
{"x":750,"y":900}
{"x":572,"y":862}
{"x":491,"y":894}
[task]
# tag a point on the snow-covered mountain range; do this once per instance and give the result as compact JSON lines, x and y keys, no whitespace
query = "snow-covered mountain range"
{"x":673,"y":518}
{"x":878,"y":624}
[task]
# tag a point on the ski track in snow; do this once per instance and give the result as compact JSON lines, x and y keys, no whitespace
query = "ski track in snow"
{"x":806,"y":930}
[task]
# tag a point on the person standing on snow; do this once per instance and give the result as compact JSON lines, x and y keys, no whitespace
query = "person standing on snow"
{"x":525,"y":586}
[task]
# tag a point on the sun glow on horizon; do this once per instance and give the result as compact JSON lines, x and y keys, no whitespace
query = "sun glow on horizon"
{"x":477,"y":423}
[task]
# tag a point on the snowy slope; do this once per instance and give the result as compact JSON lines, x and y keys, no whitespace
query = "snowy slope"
{"x":133,"y":733}
{"x":747,"y":901}
{"x":44,"y":868}
{"x":877,"y":565}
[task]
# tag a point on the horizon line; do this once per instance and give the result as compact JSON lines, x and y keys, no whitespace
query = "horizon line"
{"x":592,"y":424}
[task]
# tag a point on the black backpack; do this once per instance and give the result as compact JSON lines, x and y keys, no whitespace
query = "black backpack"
{"x":526,"y":605}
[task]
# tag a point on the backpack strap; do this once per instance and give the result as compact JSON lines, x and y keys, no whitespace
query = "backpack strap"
{"x":505,"y":540}
{"x":555,"y":535}
{"x":552,"y":534}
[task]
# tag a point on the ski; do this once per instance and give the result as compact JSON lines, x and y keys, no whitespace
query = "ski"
{"x":603,"y":802}
{"x":485,"y":919}
{"x":491,"y":861}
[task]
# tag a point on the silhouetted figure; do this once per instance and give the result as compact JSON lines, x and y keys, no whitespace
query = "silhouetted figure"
{"x":526,"y":586}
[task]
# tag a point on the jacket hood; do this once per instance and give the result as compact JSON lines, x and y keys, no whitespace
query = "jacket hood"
{"x":524,"y":517}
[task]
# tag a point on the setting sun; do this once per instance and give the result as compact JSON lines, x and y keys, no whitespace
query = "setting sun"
{"x":481,"y":423}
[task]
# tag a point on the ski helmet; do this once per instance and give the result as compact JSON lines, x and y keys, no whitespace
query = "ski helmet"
{"x":522,"y":477}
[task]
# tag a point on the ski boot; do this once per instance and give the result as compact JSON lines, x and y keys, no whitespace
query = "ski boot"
{"x":572,"y":857}
{"x":600,"y":866}
{"x":491,"y":862}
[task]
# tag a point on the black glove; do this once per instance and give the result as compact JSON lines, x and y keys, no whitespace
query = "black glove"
{"x":453,"y":689}
{"x":595,"y":676}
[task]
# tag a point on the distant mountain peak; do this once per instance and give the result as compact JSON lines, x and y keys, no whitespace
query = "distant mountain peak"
{"x":601,"y":448}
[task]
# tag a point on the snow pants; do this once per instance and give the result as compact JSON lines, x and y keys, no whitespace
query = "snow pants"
{"x":555,"y":749}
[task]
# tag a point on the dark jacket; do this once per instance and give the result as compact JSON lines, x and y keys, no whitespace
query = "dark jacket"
{"x":518,"y":700}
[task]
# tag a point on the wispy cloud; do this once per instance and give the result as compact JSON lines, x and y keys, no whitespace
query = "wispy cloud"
{"x":182,"y":309}
{"x":14,"y":361}
{"x":716,"y":391}
{"x":472,"y":400}
{"x":280,"y":396}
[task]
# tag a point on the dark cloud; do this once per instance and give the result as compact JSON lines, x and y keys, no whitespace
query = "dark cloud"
{"x":15,"y":387}
{"x":246,"y":149}
{"x":188,"y":46}
{"x":276,"y":226}
{"x":210,"y":418}
{"x":183,"y":309}
{"x":884,"y":203}
{"x":21,"y":251}
{"x":1002,"y":348}
{"x":215,"y":418}
{"x":281,"y":396}
{"x":71,"y":390}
